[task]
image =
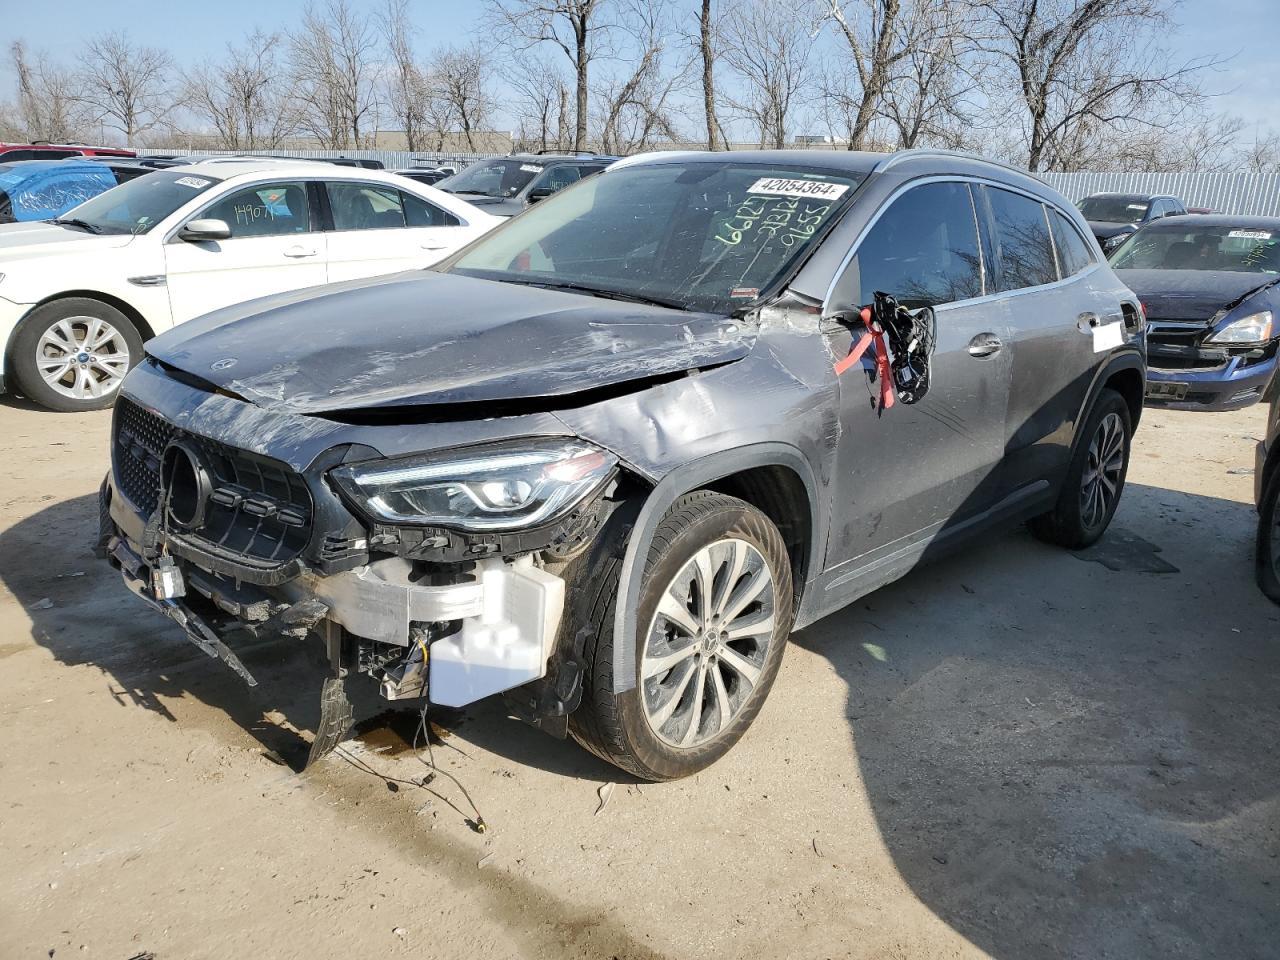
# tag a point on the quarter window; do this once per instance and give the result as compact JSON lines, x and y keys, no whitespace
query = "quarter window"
{"x":1022,"y":232}
{"x":923,"y":250}
{"x":419,"y":213}
{"x":1073,"y":253}
{"x":265,"y":210}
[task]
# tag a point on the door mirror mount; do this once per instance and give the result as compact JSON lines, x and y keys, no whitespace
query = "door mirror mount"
{"x":540,"y":193}
{"x":198,"y":231}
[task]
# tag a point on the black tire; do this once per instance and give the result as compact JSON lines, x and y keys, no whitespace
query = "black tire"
{"x":1070,"y":523}
{"x":77,"y":311}
{"x":1268,"y":542}
{"x":615,"y":726}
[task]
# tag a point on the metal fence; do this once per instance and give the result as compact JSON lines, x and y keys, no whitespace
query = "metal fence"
{"x":1242,"y":194}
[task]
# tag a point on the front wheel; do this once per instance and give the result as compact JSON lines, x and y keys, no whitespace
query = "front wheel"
{"x":1095,"y":477}
{"x":714,"y":614}
{"x":71,"y":355}
{"x":1268,"y":544}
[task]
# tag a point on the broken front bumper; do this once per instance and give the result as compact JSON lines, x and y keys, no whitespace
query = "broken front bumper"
{"x":1185,"y":377}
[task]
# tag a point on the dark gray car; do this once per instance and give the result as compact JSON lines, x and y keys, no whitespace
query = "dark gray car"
{"x":607,"y":458}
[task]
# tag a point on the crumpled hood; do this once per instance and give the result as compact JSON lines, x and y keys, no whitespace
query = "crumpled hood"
{"x":1104,"y":229}
{"x":431,"y":338}
{"x":1190,"y":294}
{"x":24,"y":241}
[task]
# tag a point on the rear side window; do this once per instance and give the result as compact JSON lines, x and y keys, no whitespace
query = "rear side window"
{"x":263,"y":210}
{"x":559,"y":177}
{"x":365,"y":206}
{"x":1073,"y":253}
{"x":1022,"y":234}
{"x":923,"y":250}
{"x":419,"y":213}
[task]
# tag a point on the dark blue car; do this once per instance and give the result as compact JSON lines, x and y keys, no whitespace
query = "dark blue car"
{"x":1210,"y":288}
{"x":44,"y":189}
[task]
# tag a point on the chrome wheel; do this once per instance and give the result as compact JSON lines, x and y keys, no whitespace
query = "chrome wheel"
{"x":1100,"y":482}
{"x":706,"y":645}
{"x":84,"y":358}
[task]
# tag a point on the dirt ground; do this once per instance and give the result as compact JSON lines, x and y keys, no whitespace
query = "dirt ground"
{"x":1018,"y":752}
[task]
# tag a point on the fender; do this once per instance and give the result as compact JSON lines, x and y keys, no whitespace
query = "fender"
{"x":681,"y":480}
{"x":1129,"y":358}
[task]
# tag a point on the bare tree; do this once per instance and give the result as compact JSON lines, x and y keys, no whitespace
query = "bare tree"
{"x":1263,"y":155}
{"x":128,"y":88}
{"x":927,"y":98}
{"x":406,"y":85}
{"x":461,"y":78}
{"x":635,"y":105}
{"x":1084,"y":65}
{"x":873,"y":38}
{"x":244,"y":97}
{"x":767,"y":44}
{"x":48,"y":107}
{"x":333,"y":57}
{"x":537,"y":86}
{"x":576,"y":27}
{"x":707,"y":51}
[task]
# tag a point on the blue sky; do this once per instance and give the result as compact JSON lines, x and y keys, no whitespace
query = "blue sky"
{"x":1244,"y":30}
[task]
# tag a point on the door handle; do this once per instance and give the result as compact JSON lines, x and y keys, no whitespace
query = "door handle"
{"x":434,"y":246}
{"x":985,"y":345}
{"x":297,"y":251}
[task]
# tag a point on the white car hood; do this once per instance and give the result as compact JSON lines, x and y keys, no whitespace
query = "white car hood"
{"x":27,"y":241}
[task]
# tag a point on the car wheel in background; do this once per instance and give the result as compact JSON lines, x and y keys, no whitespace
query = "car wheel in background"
{"x":1095,"y":477}
{"x":1268,"y":548}
{"x":714,"y":614}
{"x":72,"y":354}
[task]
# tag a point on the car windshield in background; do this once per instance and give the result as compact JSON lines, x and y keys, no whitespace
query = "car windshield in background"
{"x":1178,"y":247}
{"x":137,"y":206}
{"x":1113,"y":209}
{"x":492,"y":178}
{"x":701,"y":236}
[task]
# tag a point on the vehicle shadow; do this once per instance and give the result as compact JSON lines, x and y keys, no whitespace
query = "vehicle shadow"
{"x":1070,"y":758}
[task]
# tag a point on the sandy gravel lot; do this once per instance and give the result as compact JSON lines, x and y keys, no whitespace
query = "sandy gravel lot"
{"x":1017,"y":753}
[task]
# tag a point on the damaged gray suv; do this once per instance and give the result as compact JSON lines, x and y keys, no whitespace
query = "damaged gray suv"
{"x":607,"y":458}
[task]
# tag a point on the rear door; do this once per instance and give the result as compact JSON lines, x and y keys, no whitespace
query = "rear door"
{"x":1051,"y":314}
{"x":378,"y":229}
{"x":273,"y":248}
{"x":906,"y":473}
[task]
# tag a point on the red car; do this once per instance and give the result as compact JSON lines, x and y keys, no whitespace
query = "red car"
{"x":10,"y":152}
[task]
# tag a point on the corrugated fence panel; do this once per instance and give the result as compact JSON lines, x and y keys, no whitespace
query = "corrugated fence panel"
{"x":1243,"y":194}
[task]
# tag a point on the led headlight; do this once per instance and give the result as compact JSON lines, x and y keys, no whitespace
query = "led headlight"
{"x":1255,"y":328}
{"x":500,"y":486}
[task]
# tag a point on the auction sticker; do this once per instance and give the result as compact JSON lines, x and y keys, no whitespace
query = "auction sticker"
{"x":530,"y":168}
{"x":195,"y":182}
{"x":781,"y":187}
{"x":1250,"y":234}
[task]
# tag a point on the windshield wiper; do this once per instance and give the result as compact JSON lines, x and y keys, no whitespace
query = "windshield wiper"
{"x":607,"y":294}
{"x":77,"y":222}
{"x":471,"y":193}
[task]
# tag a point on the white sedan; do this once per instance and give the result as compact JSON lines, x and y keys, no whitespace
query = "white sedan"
{"x":80,"y":294}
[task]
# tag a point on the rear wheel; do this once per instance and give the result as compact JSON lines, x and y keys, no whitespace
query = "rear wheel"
{"x":72,"y":354}
{"x":714,"y":613}
{"x":1095,"y":477}
{"x":1268,"y":549}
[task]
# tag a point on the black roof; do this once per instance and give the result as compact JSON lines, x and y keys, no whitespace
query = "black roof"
{"x":1219,"y":220}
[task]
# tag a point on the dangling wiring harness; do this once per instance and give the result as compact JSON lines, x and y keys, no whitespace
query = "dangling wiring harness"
{"x":904,"y":341}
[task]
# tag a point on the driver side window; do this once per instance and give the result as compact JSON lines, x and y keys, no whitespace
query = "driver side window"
{"x":924,"y":250}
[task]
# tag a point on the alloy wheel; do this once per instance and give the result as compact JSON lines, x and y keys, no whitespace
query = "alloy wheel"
{"x":706,"y":645}
{"x":84,"y":358}
{"x":1100,"y":482}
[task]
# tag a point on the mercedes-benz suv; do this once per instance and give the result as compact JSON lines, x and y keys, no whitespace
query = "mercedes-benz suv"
{"x":605,"y":459}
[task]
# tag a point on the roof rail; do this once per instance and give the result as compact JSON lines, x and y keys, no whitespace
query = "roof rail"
{"x":568,"y":153}
{"x":901,"y":155}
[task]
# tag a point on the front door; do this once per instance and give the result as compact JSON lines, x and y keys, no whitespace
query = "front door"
{"x":906,"y":473}
{"x":272,"y":249}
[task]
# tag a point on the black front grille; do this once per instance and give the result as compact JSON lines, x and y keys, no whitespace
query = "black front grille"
{"x":259,"y":512}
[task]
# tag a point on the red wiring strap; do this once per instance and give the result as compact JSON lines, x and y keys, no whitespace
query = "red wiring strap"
{"x":874,"y":334}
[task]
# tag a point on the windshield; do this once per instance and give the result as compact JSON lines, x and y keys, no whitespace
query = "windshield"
{"x":137,"y":206}
{"x":492,"y":178}
{"x":701,"y":236}
{"x":1114,"y":209}
{"x":1236,"y":249}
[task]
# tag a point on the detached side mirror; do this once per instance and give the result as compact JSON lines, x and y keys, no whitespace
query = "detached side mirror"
{"x":197,"y":231}
{"x":540,"y":193}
